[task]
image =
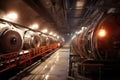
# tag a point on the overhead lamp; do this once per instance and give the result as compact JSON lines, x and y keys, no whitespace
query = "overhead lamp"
{"x":79,"y":4}
{"x":44,"y":31}
{"x":51,"y":33}
{"x":54,"y":35}
{"x":35,"y":26}
{"x":12,"y":16}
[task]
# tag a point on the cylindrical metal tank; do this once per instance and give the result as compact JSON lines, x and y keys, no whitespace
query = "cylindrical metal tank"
{"x":102,"y":41}
{"x":10,"y":41}
{"x":107,"y":37}
{"x":31,"y":40}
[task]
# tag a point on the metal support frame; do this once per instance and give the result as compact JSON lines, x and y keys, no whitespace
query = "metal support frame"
{"x":10,"y":60}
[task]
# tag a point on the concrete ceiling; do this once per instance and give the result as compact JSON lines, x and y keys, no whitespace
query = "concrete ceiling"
{"x":68,"y":16}
{"x":64,"y":17}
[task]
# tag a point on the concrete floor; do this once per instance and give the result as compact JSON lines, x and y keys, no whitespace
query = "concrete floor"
{"x":54,"y":68}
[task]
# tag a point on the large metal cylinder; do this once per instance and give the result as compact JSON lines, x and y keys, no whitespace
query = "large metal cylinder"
{"x":10,"y":41}
{"x":31,"y":40}
{"x":106,"y":36}
{"x":35,"y":41}
{"x":101,"y":42}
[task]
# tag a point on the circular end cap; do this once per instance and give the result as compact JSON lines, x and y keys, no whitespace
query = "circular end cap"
{"x":10,"y":41}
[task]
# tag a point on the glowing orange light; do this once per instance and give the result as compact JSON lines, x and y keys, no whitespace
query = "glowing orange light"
{"x":102,"y":33}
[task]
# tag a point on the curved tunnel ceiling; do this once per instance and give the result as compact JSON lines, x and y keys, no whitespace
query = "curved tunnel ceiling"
{"x":70,"y":15}
{"x":62,"y":16}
